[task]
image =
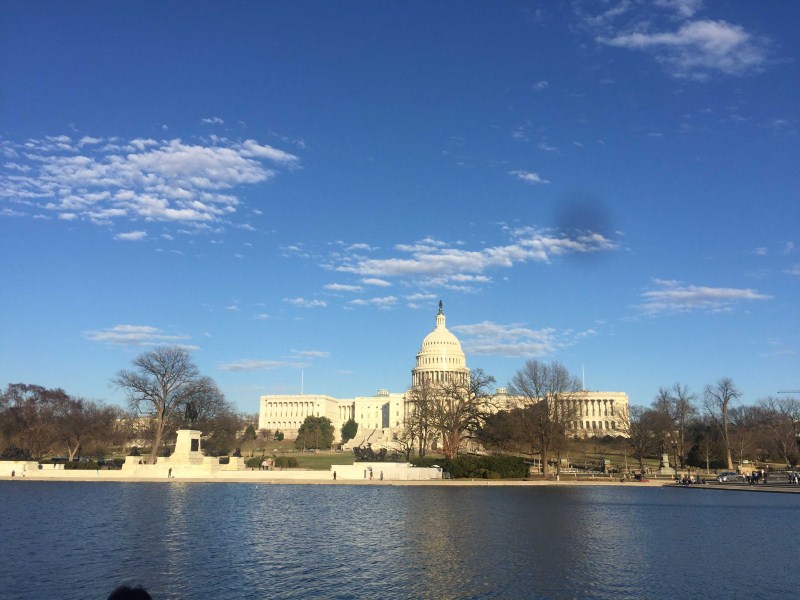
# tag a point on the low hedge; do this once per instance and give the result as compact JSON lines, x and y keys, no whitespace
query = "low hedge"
{"x":285,"y":462}
{"x":478,"y":467}
{"x":91,"y":465}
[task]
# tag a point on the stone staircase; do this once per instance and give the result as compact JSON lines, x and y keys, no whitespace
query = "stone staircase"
{"x":377,"y":438}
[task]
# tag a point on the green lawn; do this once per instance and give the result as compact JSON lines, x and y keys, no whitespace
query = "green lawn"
{"x":322,"y":460}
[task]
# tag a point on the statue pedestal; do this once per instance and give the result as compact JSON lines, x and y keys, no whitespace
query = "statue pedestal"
{"x":187,"y":448}
{"x":665,"y":469}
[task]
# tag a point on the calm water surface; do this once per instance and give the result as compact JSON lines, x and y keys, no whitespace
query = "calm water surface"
{"x":188,"y":540}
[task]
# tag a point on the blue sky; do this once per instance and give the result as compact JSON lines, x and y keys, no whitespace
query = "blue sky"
{"x":288,"y":189}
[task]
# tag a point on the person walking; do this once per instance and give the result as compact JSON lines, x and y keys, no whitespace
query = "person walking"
{"x":334,"y":475}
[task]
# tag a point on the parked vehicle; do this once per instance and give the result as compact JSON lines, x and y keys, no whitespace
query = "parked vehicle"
{"x":729,"y":476}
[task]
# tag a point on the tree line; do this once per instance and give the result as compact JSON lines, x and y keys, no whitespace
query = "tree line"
{"x":714,"y":430}
{"x":164,"y":391}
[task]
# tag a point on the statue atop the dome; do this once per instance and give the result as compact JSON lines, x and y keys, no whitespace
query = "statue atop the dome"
{"x":440,"y":308}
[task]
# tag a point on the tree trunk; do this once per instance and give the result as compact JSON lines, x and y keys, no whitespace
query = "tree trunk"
{"x":450,"y":442}
{"x":156,"y":442}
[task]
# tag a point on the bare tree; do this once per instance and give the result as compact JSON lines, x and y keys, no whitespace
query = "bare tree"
{"x":417,"y":428}
{"x":779,"y":427}
{"x":717,"y":400}
{"x":643,"y":429}
{"x":677,"y":405}
{"x":80,"y":422}
{"x":546,"y":393}
{"x":707,"y":446}
{"x":458,"y":409}
{"x":27,"y":420}
{"x":163,"y":382}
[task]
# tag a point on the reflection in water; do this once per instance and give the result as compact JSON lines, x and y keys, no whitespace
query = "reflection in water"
{"x":81,"y":540}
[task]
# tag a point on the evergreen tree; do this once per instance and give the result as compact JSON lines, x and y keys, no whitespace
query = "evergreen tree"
{"x":315,"y":433}
{"x":349,"y":430}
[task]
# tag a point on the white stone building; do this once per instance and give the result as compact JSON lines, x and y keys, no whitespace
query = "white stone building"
{"x":380,"y":417}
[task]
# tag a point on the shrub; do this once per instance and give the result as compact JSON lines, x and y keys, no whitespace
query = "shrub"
{"x":285,"y":462}
{"x":89,"y":465}
{"x":14,"y":453}
{"x":477,"y":467}
{"x":253,"y":463}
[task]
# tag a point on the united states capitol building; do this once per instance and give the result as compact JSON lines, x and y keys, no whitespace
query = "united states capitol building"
{"x":440,"y":359}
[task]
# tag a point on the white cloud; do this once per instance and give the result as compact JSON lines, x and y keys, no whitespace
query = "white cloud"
{"x":375,"y":282}
{"x":304,"y":303}
{"x":8,"y":212}
{"x":540,"y":85}
{"x":682,"y":8}
{"x":382,"y":302}
{"x":674,"y":297}
{"x":138,"y":180}
{"x":253,"y":148}
{"x":131,"y":236}
{"x":543,"y":145}
{"x":249,"y":364}
{"x":420,"y":296}
{"x":133,"y":335}
{"x":212,"y":121}
{"x":342,"y":287}
{"x":434,"y":261}
{"x":515,"y":340}
{"x":311,"y":353}
{"x":697,"y":48}
{"x":794,"y":270}
{"x":360,"y":246}
{"x":528,"y":176}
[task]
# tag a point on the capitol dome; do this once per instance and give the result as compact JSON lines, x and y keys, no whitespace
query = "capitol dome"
{"x":440,"y":358}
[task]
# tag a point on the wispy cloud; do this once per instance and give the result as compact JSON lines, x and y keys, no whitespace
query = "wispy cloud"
{"x":515,"y":339}
{"x":675,"y":297}
{"x":212,"y":121}
{"x":311,"y":353}
{"x":249,"y":364}
{"x":672,"y":32}
{"x":697,"y":48}
{"x":131,"y":236}
{"x":433,"y":261}
{"x":540,"y":85}
{"x":376,"y":282}
{"x":681,"y":8}
{"x":381,"y":302}
{"x":306,"y":303}
{"x":134,"y":335}
{"x":343,"y":287}
{"x":528,"y":176}
{"x":114,"y":181}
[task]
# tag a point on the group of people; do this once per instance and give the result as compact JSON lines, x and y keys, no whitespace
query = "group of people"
{"x":762,"y":476}
{"x":756,"y":477}
{"x":689,"y":480}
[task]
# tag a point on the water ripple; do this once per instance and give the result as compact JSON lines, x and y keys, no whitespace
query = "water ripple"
{"x":80,"y":540}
